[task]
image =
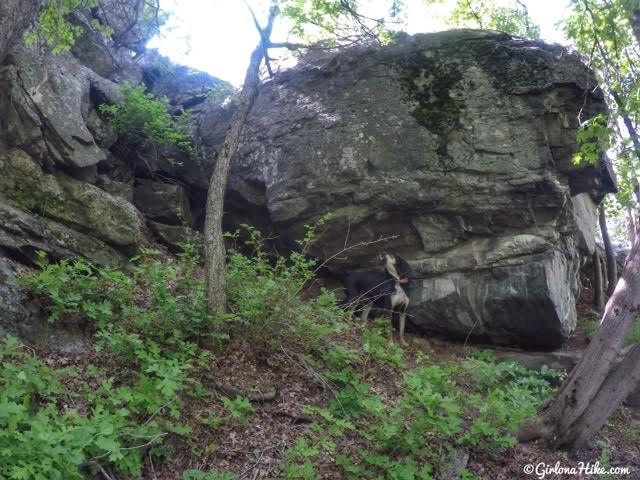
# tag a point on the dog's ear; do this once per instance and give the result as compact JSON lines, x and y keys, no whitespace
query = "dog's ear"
{"x":381,"y":257}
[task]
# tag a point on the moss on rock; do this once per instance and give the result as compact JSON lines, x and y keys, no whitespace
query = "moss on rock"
{"x":69,"y":201}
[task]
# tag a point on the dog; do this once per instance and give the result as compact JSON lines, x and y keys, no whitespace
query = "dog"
{"x":388,"y":290}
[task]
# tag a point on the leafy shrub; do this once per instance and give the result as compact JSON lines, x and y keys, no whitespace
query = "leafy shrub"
{"x":210,"y":475}
{"x":40,"y":441}
{"x":149,"y":321}
{"x":58,"y":33}
{"x":142,"y":115}
{"x":162,"y":302}
{"x":634,"y":335}
{"x":239,"y":407}
{"x":267,"y":302}
{"x":589,"y":327}
{"x":513,"y":393}
{"x":410,"y":438}
{"x":375,"y":342}
{"x":594,"y":138}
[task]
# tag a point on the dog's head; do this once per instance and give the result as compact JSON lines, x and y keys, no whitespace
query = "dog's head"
{"x":396,"y":266}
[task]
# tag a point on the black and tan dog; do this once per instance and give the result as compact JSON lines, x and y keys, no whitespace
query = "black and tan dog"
{"x":388,"y":291}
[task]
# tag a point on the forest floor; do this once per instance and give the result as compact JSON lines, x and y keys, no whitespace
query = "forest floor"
{"x":360,"y":407}
{"x":255,"y":447}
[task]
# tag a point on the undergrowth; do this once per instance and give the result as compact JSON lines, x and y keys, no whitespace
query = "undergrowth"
{"x":591,"y":326}
{"x":444,"y":408}
{"x":149,"y":324}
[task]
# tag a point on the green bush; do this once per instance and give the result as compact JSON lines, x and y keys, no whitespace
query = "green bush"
{"x":239,"y":407}
{"x":149,"y":321}
{"x":56,"y":31}
{"x":475,"y":405}
{"x":634,"y":335}
{"x":267,"y":302}
{"x":41,"y":440}
{"x":210,"y":475}
{"x":591,"y":326}
{"x":143,"y":116}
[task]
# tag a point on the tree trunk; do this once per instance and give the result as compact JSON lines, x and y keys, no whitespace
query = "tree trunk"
{"x":612,"y":268}
{"x":620,"y":383}
{"x":631,"y":226}
{"x":215,"y":254}
{"x":598,"y":289}
{"x":577,"y":408}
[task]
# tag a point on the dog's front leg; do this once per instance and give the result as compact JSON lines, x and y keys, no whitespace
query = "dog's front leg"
{"x":403,"y":317}
{"x":364,"y":316}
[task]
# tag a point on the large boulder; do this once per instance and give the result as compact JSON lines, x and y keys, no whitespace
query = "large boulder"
{"x":163,"y":202}
{"x":457,"y":146}
{"x":24,"y":233}
{"x":176,"y":235}
{"x":69,"y":201}
{"x":44,"y":105}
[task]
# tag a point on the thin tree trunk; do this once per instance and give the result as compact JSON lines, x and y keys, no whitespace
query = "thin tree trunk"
{"x":631,"y":226}
{"x":612,"y":268}
{"x":215,"y":254}
{"x":598,"y":290}
{"x":570,"y":416}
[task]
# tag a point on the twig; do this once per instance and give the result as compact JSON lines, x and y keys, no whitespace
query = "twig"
{"x":158,"y":411}
{"x":150,"y":442}
{"x":470,"y":331}
{"x":105,"y":474}
{"x":252,"y":396}
{"x":361,"y":244}
{"x":346,"y":237}
{"x":153,"y":470}
{"x":298,"y":418}
{"x":249,"y":469}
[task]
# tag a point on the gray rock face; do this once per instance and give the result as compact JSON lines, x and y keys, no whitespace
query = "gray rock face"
{"x":23,"y":233}
{"x":174,"y":235}
{"x":558,"y":360}
{"x":163,"y":202}
{"x":18,"y":317}
{"x":458,"y":145}
{"x":45,"y":102}
{"x":585,"y":213}
{"x":15,"y":17}
{"x":69,"y":201}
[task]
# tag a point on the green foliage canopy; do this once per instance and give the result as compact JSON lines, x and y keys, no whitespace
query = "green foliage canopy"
{"x":54,"y":28}
{"x":602,"y":31}
{"x":513,"y":19}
